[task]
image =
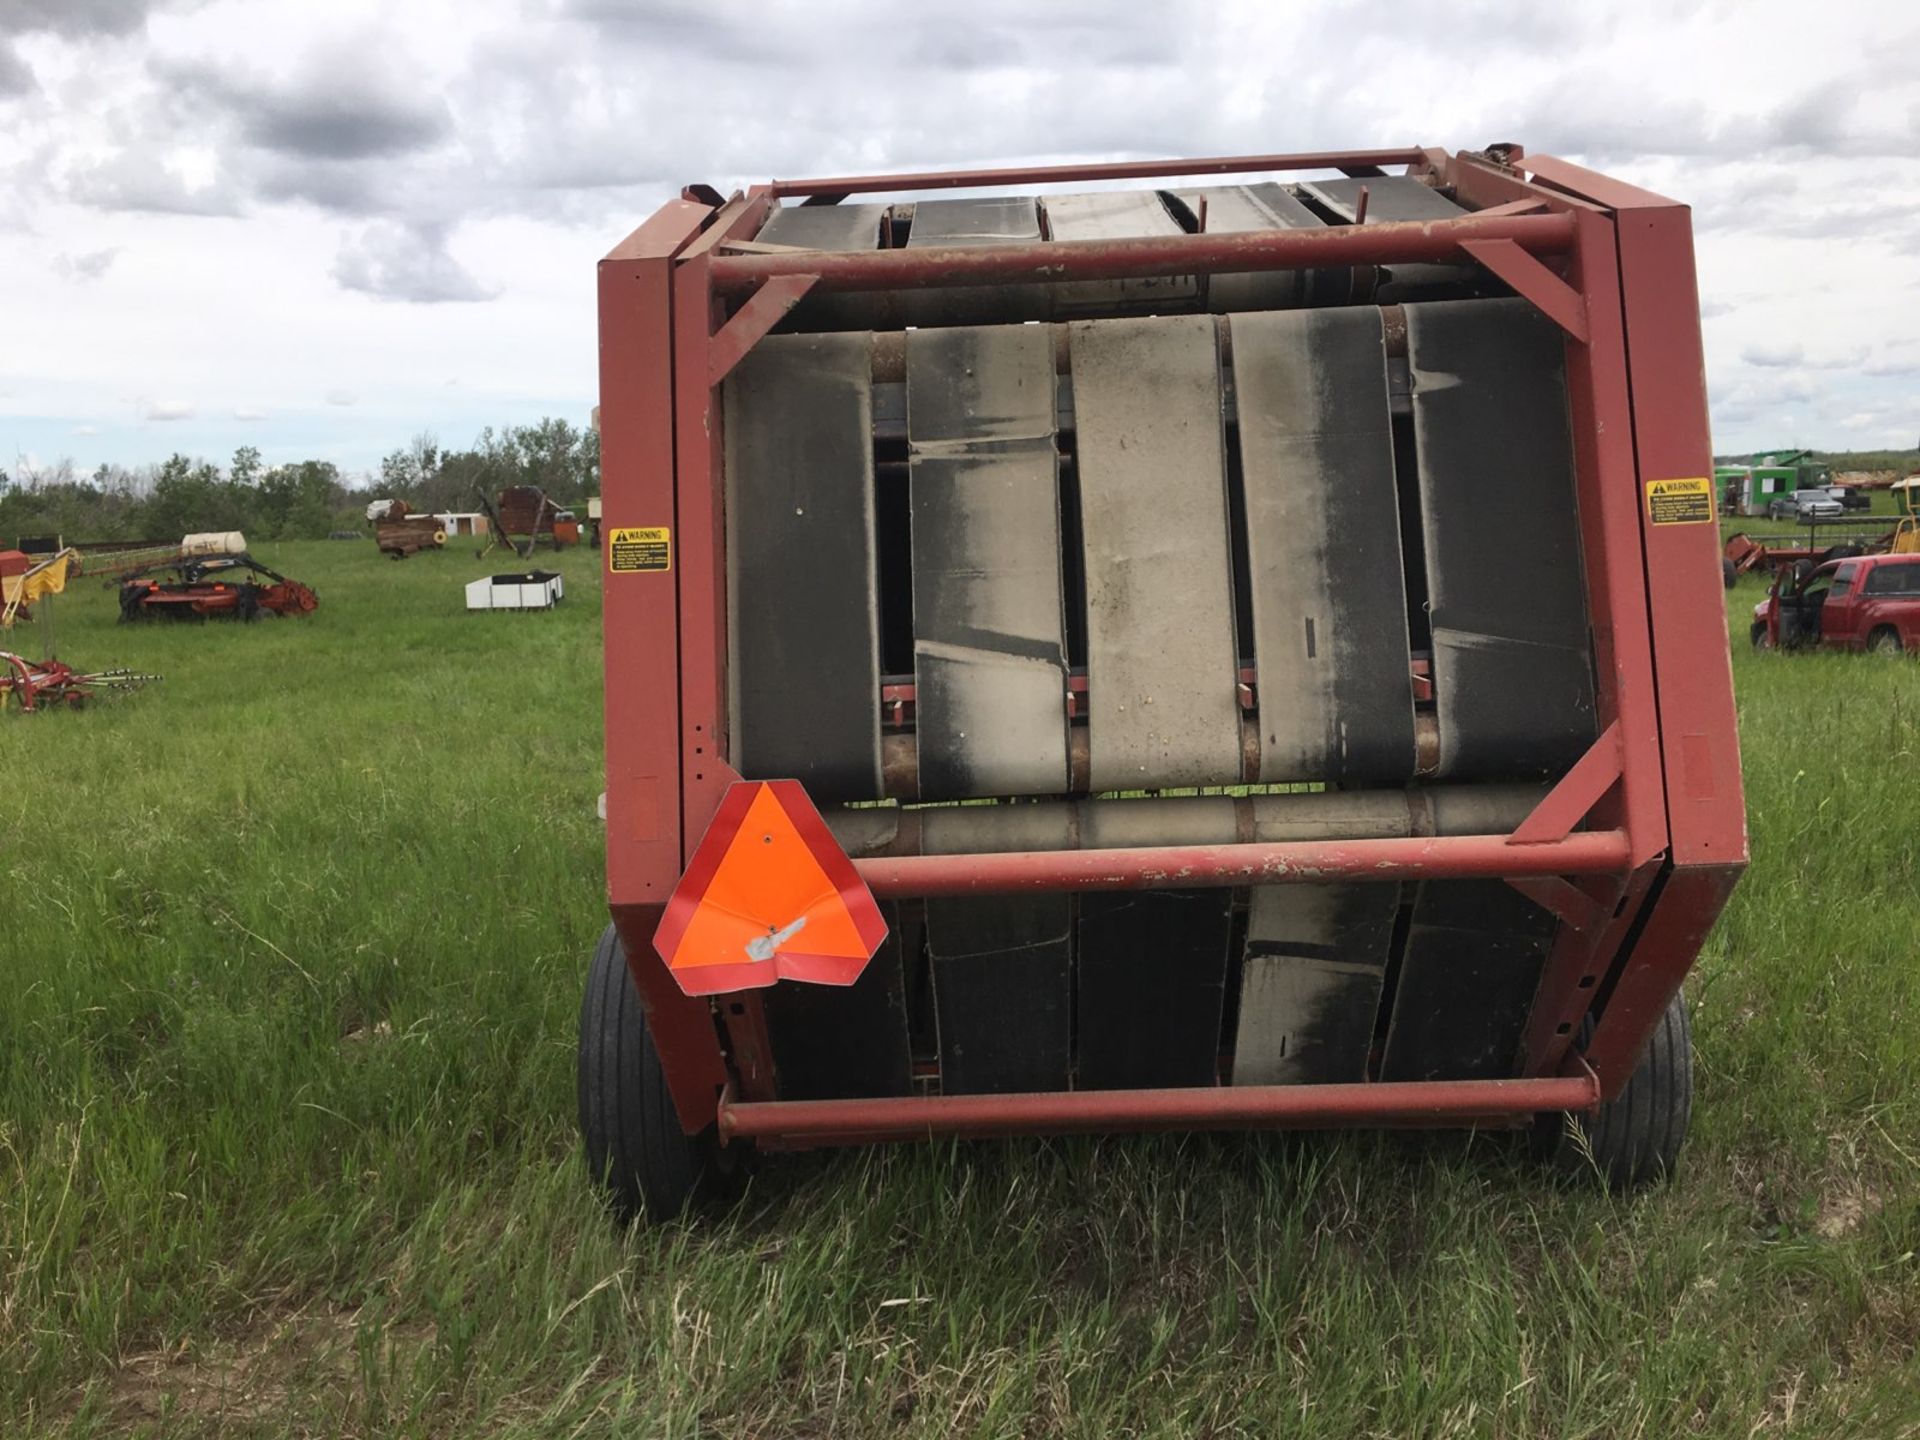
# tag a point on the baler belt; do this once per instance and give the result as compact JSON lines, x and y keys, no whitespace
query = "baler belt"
{"x":1513,"y":672}
{"x":828,"y":227}
{"x":801,"y":568}
{"x":825,"y":227}
{"x":833,"y":1042}
{"x":990,"y":663}
{"x":1001,"y":965}
{"x":1160,"y":630}
{"x":986,"y":220}
{"x":1468,"y":975}
{"x":1235,"y":209}
{"x":1316,"y":956}
{"x":1310,"y":983}
{"x":1115,"y":215}
{"x":1152,"y":965}
{"x":989,"y":220}
{"x":1389,"y":198}
{"x":1329,"y":597}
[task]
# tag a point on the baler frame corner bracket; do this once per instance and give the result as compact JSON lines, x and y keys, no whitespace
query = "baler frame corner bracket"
{"x":1563,"y":899}
{"x":749,"y":325}
{"x":1533,"y":282}
{"x":1578,"y":791}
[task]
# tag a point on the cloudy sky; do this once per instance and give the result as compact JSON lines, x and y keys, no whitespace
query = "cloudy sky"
{"x":320,"y":228}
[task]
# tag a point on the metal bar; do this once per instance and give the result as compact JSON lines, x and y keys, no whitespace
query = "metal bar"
{"x":751,"y":322}
{"x":1188,"y":867}
{"x":1064,"y":260}
{"x":1118,"y":170}
{"x":1228,"y":1106}
{"x":1577,"y":792}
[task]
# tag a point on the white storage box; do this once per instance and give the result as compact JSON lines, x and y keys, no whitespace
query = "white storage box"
{"x":529,"y":590}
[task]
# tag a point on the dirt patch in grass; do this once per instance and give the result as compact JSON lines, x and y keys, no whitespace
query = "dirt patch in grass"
{"x":1843,"y":1209}
{"x":319,"y":1354}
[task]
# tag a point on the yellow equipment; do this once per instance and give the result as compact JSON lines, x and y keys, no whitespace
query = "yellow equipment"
{"x":44,"y":577}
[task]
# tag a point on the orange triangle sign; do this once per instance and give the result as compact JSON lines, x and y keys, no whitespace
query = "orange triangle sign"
{"x":768,"y":895}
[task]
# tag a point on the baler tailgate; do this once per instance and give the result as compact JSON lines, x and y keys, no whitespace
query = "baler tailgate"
{"x":1040,"y":508}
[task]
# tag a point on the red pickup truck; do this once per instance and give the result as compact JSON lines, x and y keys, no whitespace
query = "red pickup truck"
{"x":1871,"y":602}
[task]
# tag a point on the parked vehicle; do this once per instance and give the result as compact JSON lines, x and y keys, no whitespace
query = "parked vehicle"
{"x":1806,"y":505}
{"x":1871,"y":602}
{"x":1851,"y":497}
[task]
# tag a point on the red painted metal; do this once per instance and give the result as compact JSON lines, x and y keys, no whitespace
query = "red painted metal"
{"x":1573,"y":798}
{"x":1227,"y":1106}
{"x":1682,"y":915}
{"x":1226,"y":253}
{"x":642,"y":657}
{"x":1182,"y":867}
{"x":750,"y":323}
{"x":1546,"y":291}
{"x":1637,"y":891}
{"x":1080,"y":174}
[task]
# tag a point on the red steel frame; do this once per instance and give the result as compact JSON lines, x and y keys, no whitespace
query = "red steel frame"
{"x":1636,"y":849}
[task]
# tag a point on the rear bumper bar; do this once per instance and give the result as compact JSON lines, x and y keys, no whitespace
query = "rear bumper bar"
{"x":1244,"y":1107}
{"x":1159,"y":867}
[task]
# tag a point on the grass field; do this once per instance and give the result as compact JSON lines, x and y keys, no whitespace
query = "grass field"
{"x":290,"y":956}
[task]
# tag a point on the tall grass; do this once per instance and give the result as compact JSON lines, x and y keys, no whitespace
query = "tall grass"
{"x":290,"y":956}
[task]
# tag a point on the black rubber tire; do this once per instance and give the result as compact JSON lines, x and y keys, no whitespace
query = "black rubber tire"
{"x":1885,"y":641}
{"x":1758,"y":635}
{"x":635,"y":1145}
{"x":1636,"y":1138}
{"x":1727,"y":573}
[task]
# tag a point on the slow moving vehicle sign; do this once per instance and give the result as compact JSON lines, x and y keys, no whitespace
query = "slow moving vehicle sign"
{"x":768,"y":895}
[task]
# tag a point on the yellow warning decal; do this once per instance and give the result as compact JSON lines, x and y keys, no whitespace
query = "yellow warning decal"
{"x":639,"y":547}
{"x":1680,"y":502}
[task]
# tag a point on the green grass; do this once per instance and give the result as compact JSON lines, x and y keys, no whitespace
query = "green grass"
{"x":291,"y":947}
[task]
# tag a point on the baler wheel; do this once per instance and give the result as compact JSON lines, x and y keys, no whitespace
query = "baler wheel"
{"x":1635,"y":1138}
{"x":1761,"y":637}
{"x":635,"y":1144}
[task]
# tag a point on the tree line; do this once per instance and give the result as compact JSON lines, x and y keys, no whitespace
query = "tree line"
{"x":302,"y":500}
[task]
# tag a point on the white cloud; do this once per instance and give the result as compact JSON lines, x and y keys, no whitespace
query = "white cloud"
{"x":274,"y":167}
{"x":90,"y":265}
{"x":169,"y":410}
{"x":342,"y":398}
{"x":83,"y":432}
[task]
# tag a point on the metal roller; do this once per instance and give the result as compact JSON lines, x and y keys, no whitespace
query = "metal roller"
{"x":866,"y":831}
